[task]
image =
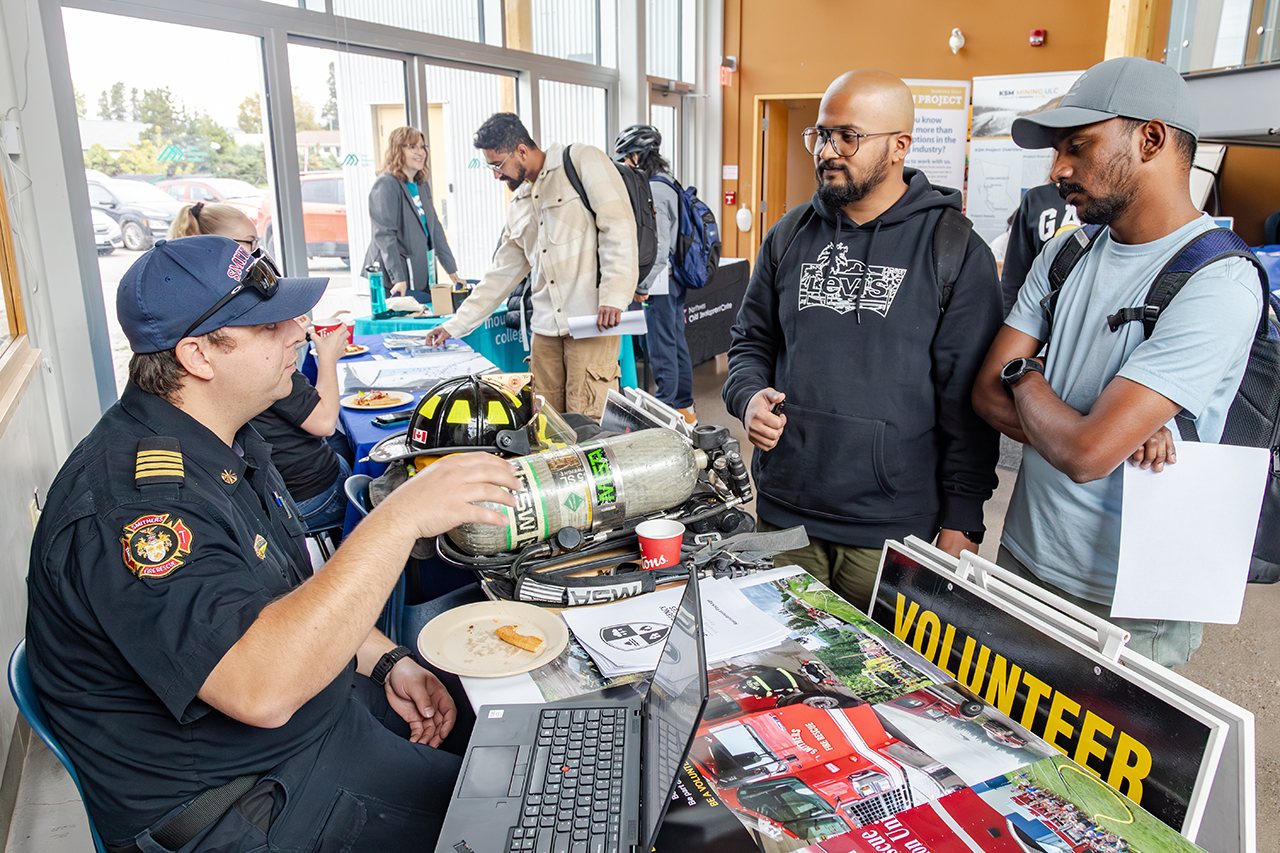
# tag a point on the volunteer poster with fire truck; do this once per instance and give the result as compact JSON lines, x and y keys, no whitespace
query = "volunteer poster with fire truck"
{"x":844,"y":738}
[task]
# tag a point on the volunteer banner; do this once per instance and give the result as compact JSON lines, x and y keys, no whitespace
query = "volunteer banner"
{"x":941,"y":130}
{"x":1139,"y":744}
{"x":999,"y":171}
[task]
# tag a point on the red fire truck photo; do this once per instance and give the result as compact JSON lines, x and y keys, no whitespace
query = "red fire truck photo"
{"x":739,"y":689}
{"x":810,"y":773}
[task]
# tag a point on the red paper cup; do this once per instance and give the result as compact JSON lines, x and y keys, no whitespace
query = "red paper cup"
{"x":329,"y":325}
{"x":660,"y":543}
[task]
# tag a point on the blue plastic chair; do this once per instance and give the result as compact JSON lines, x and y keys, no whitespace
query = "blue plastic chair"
{"x":357,"y":489}
{"x":24,"y":693}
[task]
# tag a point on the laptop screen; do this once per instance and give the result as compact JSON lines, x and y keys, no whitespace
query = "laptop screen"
{"x":673,"y":707}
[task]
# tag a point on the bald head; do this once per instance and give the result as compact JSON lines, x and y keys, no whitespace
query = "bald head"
{"x":879,"y":102}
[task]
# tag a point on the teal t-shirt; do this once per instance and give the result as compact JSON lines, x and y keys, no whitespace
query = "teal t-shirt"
{"x":422,"y":217}
{"x":1069,"y":533}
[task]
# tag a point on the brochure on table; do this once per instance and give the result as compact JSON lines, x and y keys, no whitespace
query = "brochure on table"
{"x":844,"y":737}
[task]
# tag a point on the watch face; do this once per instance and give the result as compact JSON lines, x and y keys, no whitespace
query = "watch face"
{"x":1013,"y":369}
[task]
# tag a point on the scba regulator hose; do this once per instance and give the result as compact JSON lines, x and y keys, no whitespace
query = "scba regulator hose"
{"x":591,"y":486}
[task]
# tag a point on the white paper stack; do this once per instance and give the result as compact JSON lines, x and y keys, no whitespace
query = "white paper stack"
{"x":627,"y":636}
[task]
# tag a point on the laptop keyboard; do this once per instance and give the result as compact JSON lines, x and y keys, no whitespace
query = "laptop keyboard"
{"x":574,"y":799}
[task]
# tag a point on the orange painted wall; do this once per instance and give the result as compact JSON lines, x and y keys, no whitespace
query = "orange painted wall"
{"x":800,"y":46}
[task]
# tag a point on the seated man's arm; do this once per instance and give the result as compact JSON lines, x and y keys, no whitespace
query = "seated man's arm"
{"x":299,"y":643}
{"x":989,"y":397}
{"x":413,"y":692}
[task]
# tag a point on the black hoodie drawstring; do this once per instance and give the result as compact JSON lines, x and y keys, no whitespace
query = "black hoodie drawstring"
{"x":862,"y":285}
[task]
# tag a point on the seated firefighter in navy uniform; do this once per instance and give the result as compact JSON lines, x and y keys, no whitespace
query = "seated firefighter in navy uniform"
{"x":213,"y":693}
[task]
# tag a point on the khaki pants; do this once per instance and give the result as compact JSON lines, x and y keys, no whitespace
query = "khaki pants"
{"x":848,"y":570}
{"x":575,"y":375}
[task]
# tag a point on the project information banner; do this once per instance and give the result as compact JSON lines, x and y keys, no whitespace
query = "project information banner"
{"x":999,"y":171}
{"x":941,"y":130}
{"x":1134,"y":741}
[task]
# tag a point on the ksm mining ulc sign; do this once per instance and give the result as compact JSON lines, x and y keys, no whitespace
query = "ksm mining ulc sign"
{"x":1138,"y":743}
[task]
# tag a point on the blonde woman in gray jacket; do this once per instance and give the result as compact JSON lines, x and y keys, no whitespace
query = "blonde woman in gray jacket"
{"x":405,"y":226}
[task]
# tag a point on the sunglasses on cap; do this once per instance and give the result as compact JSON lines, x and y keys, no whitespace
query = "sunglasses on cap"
{"x":260,"y":274}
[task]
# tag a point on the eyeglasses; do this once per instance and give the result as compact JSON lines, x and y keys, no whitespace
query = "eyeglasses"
{"x":843,"y":141}
{"x":250,"y":245}
{"x":260,"y":273}
{"x":498,"y":168}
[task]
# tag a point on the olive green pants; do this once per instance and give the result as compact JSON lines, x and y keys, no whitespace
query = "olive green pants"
{"x":845,"y":569}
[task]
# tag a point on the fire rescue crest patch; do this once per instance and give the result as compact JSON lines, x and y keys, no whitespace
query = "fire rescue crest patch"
{"x":229,"y":477}
{"x":154,"y":546}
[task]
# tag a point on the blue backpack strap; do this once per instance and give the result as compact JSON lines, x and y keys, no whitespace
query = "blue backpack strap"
{"x":1075,"y":247}
{"x":1201,"y":251}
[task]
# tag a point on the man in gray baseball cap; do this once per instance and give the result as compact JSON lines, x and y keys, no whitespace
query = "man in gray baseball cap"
{"x":1124,"y":137}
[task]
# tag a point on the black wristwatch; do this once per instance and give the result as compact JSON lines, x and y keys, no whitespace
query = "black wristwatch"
{"x":1013,"y":372}
{"x":385,"y":663}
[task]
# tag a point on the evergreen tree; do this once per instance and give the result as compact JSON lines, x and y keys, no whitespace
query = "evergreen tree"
{"x":329,"y":114}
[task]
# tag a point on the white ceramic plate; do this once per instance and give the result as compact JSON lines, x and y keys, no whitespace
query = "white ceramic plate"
{"x":360,"y":349}
{"x":463,"y":641}
{"x":395,"y":399}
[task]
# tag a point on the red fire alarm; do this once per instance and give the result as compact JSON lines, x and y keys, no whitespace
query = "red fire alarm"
{"x":730,"y":198}
{"x":1037,"y":37}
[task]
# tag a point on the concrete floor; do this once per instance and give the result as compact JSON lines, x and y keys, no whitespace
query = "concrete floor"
{"x":1238,"y":662}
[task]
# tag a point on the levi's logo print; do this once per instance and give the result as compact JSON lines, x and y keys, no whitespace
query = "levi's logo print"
{"x":841,"y":283}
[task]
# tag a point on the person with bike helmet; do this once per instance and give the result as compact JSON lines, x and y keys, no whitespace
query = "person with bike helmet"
{"x":662,"y":296}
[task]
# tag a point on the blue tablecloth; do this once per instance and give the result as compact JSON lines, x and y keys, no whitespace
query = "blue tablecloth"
{"x":493,"y":340}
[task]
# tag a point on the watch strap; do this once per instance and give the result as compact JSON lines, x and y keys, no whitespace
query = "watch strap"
{"x":385,"y":663}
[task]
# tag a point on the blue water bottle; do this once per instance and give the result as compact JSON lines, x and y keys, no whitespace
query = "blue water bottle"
{"x":377,"y":294}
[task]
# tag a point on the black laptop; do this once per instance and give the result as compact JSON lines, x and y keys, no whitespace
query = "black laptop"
{"x":593,"y":774}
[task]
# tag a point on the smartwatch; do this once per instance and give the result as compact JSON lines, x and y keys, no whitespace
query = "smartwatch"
{"x":1013,"y":372}
{"x":383,"y":667}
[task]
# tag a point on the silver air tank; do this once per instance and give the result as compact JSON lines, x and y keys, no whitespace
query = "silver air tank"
{"x":591,"y":486}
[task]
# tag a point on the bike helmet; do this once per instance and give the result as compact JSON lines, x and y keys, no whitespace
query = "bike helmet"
{"x":637,"y":139}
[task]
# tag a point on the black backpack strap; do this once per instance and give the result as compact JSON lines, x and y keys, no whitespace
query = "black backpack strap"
{"x":1075,"y":247}
{"x":571,"y":172}
{"x":950,"y":243}
{"x":1202,"y":250}
{"x":785,"y":231}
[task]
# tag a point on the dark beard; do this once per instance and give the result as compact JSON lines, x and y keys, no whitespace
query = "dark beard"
{"x":1105,"y":209}
{"x":838,"y":196}
{"x":513,"y":184}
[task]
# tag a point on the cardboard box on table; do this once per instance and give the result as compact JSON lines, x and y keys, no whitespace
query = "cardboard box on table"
{"x":1180,"y":751}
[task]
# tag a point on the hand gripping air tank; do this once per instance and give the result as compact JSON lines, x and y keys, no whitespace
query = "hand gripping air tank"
{"x":591,"y":486}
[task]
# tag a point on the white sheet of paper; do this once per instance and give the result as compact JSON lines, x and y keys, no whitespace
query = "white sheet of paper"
{"x":632,"y":323}
{"x":661,"y":285}
{"x":1186,"y":534}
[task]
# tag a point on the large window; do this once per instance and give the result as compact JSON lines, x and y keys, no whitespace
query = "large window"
{"x":470,"y":20}
{"x":156,"y":128}
{"x":1222,"y":34}
{"x":573,"y":113}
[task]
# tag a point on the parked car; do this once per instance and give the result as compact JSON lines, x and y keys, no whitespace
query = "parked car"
{"x":106,"y":233}
{"x":937,"y":702}
{"x":142,"y":211}
{"x":241,"y":195}
{"x":324,"y":216}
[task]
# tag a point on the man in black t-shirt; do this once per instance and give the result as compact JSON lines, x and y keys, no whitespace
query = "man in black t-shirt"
{"x":202,"y":680}
{"x":1041,"y":214}
{"x":295,"y":428}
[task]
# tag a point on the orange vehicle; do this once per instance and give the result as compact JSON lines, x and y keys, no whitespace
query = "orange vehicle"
{"x":809,"y":773}
{"x":241,"y":195}
{"x":324,"y":216}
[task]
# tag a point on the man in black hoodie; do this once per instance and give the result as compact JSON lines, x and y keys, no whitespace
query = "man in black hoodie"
{"x":847,"y":323}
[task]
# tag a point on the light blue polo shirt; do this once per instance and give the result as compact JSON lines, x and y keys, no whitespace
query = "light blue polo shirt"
{"x":1069,"y":533}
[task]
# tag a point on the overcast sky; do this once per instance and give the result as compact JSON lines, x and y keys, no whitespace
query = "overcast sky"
{"x":206,"y":70}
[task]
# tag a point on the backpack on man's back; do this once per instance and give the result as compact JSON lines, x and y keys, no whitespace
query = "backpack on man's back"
{"x":696,"y":255}
{"x":1254,"y":417}
{"x":641,"y":207}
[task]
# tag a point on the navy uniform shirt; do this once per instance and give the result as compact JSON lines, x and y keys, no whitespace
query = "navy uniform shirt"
{"x":148,"y":564}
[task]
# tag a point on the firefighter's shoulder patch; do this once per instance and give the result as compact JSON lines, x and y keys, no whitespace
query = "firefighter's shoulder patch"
{"x":159,"y":461}
{"x":155,"y":544}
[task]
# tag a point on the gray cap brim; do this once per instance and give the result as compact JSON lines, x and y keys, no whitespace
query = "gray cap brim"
{"x":1036,"y":129}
